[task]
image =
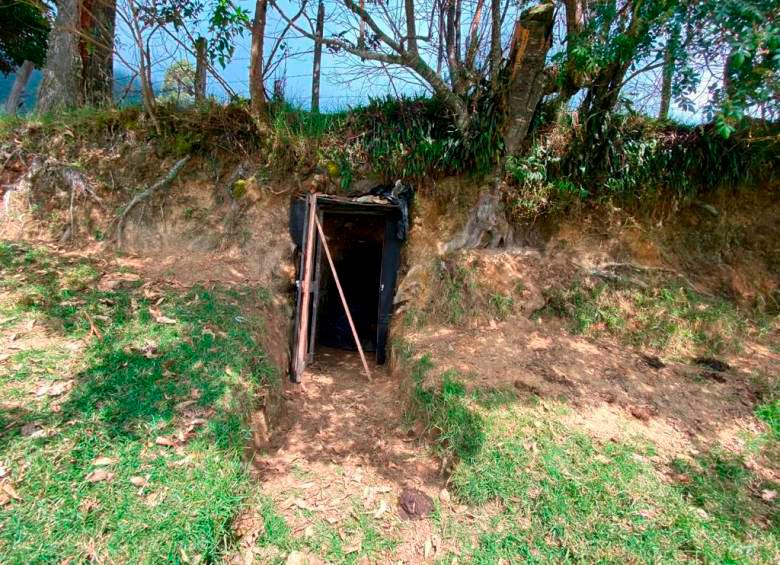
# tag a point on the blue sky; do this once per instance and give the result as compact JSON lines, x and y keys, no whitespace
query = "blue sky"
{"x":341,"y":85}
{"x":344,"y":83}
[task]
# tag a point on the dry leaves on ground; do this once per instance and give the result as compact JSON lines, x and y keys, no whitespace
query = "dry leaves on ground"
{"x":57,"y":388}
{"x":99,"y":475}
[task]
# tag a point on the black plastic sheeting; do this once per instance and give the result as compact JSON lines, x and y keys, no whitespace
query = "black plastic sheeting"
{"x":400,"y":195}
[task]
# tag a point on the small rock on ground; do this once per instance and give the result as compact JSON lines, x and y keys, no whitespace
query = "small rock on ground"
{"x":414,"y":504}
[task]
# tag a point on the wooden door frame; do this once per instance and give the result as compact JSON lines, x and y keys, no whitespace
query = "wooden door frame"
{"x":310,"y":272}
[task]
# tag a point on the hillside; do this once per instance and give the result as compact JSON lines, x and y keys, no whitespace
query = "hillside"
{"x":582,"y":369}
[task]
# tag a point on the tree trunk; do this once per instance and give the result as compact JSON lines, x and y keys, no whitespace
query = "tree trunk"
{"x":602,"y":97}
{"x":570,"y":81}
{"x":61,"y":85}
{"x":666,"y":84}
{"x":524,"y":89}
{"x":411,"y":28}
{"x":256,"y":62}
{"x":315,"y":81}
{"x":96,"y":48}
{"x":495,"y":42}
{"x":80,"y":59}
{"x":20,"y":83}
{"x":144,"y":65}
{"x":200,"y":70}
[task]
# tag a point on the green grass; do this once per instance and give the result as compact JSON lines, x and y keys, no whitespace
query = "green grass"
{"x":502,"y":305}
{"x":547,"y":492}
{"x":128,"y":388}
{"x":564,"y":498}
{"x":769,"y":409}
{"x":667,"y":317}
{"x":458,"y":431}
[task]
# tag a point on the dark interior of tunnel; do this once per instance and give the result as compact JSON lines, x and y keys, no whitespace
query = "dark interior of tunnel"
{"x":355,"y":242}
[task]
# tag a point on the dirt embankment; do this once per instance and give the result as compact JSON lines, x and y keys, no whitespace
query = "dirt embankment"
{"x":221,"y":220}
{"x":212,"y":223}
{"x":647,"y":290}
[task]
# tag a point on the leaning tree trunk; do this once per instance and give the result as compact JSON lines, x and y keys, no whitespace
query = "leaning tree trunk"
{"x":20,"y":83}
{"x":61,"y":83}
{"x":98,"y":22}
{"x":601,"y":100}
{"x":487,"y":225}
{"x":525,"y":84}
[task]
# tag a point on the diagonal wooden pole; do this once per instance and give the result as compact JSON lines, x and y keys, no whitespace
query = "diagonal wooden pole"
{"x":341,"y":295}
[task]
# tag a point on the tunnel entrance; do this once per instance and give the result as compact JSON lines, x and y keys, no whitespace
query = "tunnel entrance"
{"x":356,"y":248}
{"x":364,"y":237}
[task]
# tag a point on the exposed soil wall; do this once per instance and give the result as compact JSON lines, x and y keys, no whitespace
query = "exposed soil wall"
{"x":478,"y":314}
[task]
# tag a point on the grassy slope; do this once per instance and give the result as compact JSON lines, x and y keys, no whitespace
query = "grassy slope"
{"x":667,"y":317}
{"x":134,"y":380}
{"x":555,"y":495}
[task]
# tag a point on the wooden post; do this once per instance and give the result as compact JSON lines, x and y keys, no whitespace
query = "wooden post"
{"x":315,"y":80}
{"x":200,"y":70}
{"x":300,"y":354}
{"x":343,"y":298}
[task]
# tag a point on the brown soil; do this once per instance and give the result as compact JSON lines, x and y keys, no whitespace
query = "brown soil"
{"x":342,"y":449}
{"x":614,"y":393}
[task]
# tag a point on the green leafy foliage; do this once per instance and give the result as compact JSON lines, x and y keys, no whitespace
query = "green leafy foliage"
{"x":179,"y":83}
{"x":743,"y":38}
{"x":642,"y":160}
{"x":416,"y":137}
{"x":225,"y":21}
{"x":23,"y":35}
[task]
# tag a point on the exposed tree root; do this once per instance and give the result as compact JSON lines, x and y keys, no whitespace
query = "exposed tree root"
{"x":487,"y":226}
{"x":75,"y":182}
{"x":79,"y":186}
{"x":146,"y":195}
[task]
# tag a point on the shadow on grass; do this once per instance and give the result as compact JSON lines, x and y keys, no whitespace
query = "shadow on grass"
{"x":139,"y":368}
{"x":446,"y":409}
{"x":723,"y":486}
{"x":146,"y":352}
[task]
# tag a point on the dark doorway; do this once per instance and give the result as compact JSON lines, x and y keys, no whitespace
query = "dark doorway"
{"x":364,"y":238}
{"x":355,"y":242}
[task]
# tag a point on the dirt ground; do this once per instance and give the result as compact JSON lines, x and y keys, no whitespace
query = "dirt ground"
{"x":614,"y":392}
{"x":341,"y":449}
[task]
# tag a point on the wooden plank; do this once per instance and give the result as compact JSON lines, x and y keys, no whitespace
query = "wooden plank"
{"x":303,"y":325}
{"x":343,"y":298}
{"x":316,"y":290}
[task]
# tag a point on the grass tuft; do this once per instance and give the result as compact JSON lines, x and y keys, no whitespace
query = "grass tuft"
{"x":668,"y":317}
